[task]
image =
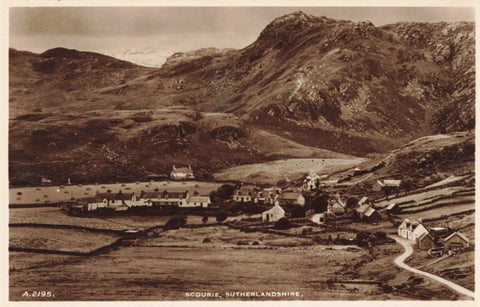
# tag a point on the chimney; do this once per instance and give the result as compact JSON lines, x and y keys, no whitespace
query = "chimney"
{"x":174,"y":166}
{"x":189,"y":166}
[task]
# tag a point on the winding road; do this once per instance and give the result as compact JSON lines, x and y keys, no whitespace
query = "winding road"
{"x":399,"y":261}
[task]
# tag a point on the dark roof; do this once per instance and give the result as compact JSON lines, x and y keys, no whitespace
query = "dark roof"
{"x":116,"y":196}
{"x":290,"y":195}
{"x":174,"y":194}
{"x":424,"y":235}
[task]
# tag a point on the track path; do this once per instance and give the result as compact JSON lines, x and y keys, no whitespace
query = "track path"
{"x":399,"y":261}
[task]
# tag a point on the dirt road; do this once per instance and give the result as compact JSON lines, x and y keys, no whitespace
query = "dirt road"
{"x":399,"y":261}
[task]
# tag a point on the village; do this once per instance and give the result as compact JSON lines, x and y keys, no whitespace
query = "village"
{"x":315,"y":201}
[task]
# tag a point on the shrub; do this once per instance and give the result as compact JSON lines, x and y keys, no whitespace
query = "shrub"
{"x":207,"y":240}
{"x":205,"y":219}
{"x":282,"y":223}
{"x":298,"y":212}
{"x":221,"y":216}
{"x":176,"y":222}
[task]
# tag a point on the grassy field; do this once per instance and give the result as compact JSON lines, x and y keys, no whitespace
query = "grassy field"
{"x":54,"y":215}
{"x":291,"y":169}
{"x":52,"y":194}
{"x":176,"y":262}
{"x":58,"y":239}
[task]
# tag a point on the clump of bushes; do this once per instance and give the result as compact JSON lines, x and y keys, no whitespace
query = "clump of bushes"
{"x":175,"y":222}
{"x":207,"y":240}
{"x":282,"y":224}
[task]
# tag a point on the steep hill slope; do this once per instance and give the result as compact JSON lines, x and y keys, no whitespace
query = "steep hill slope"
{"x":311,"y":83}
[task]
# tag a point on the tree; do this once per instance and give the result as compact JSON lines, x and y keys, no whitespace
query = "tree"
{"x":298,"y":212}
{"x":282,"y":223}
{"x":176,"y":222}
{"x":225,"y":191}
{"x":352,"y":202}
{"x":221,"y":216}
{"x":205,"y":219}
{"x":19,"y":194}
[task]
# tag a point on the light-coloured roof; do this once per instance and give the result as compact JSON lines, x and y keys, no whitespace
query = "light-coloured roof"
{"x":362,"y":208}
{"x":438,"y":228}
{"x":392,"y":183}
{"x":194,"y":199}
{"x":275,"y":209}
{"x":456,"y":234}
{"x":391,"y":206}
{"x":363,"y":200}
{"x":370,"y":211}
{"x":183,"y":170}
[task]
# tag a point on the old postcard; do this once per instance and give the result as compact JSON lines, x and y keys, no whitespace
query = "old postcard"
{"x":240,"y":153}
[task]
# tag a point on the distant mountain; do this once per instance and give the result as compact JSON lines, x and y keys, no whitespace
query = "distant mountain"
{"x":148,"y":56}
{"x":314,"y":82}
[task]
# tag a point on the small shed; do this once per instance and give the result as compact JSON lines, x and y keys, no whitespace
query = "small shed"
{"x":273,"y":214}
{"x":455,"y":241}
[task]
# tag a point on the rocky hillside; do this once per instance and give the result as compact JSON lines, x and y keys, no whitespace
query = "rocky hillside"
{"x":318,"y":83}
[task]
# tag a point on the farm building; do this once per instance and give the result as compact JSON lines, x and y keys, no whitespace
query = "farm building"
{"x":364,"y":200}
{"x":311,"y":182}
{"x":46,"y":181}
{"x":291,"y":198}
{"x":273,"y":214}
{"x":93,"y":203}
{"x":266,"y":196}
{"x":245,"y":194}
{"x":181,"y":173}
{"x":367,"y":213}
{"x":393,"y":208}
{"x":426,"y":241}
{"x":165,"y":198}
{"x":439,"y":232}
{"x":455,"y":241}
{"x":319,"y":218}
{"x":198,"y":201}
{"x":111,"y":200}
{"x":337,"y":207}
{"x":411,"y":229}
{"x":380,"y":185}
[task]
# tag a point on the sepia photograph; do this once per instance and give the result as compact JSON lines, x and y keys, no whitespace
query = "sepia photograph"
{"x":240,"y":153}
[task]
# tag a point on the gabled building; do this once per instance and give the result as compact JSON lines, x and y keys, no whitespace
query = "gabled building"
{"x":311,"y":182}
{"x":266,"y":196}
{"x":426,"y":241}
{"x":367,"y":213}
{"x":245,"y":194}
{"x":165,"y":198}
{"x":393,"y":208}
{"x":455,"y":241}
{"x":364,"y":200}
{"x":380,"y":185}
{"x":411,"y":229}
{"x":291,"y":198}
{"x":199,"y":201}
{"x":273,"y":214}
{"x":181,"y":173}
{"x":337,"y":207}
{"x":111,"y":200}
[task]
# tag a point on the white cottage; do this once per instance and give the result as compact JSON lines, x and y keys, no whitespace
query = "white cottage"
{"x":197,"y":202}
{"x":273,"y":214}
{"x":411,"y":229}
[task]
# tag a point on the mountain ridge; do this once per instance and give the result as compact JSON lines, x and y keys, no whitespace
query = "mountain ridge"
{"x":342,"y":86}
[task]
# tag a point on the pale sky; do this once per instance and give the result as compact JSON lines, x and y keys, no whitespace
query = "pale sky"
{"x":174,"y":29}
